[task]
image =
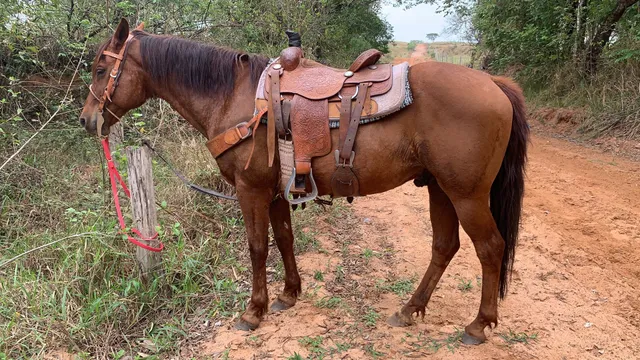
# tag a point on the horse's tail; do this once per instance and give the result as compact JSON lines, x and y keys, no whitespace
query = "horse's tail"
{"x":508,"y":187}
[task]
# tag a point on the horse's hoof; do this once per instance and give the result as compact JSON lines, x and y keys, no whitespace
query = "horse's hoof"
{"x":279,"y":305}
{"x":245,"y":325}
{"x":397,"y":320}
{"x":471,"y":340}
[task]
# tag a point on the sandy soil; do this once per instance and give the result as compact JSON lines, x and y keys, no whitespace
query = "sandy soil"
{"x":575,"y":292}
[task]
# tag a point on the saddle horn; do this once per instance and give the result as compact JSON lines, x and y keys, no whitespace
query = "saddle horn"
{"x":294,"y":38}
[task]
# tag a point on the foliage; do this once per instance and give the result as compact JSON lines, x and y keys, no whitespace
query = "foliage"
{"x":432,"y":36}
{"x":569,"y":53}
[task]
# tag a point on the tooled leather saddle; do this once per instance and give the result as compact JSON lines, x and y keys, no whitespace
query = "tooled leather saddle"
{"x":302,"y":98}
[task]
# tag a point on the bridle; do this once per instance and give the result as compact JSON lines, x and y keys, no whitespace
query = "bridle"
{"x":114,"y":78}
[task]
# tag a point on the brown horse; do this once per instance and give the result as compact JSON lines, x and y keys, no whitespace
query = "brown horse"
{"x":465,"y":137}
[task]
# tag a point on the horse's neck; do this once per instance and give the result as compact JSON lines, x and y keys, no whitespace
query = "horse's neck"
{"x":208,"y":114}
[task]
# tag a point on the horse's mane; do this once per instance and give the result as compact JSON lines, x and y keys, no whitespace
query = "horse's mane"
{"x":195,"y":66}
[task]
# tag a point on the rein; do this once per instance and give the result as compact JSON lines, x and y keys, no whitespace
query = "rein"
{"x":115,"y":178}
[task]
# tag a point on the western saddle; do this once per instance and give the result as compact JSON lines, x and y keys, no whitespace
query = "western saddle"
{"x":300,"y":97}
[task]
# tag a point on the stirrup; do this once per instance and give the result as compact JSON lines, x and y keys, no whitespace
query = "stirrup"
{"x":300,"y":200}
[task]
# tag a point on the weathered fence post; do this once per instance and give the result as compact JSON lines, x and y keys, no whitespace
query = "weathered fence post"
{"x":143,"y":204}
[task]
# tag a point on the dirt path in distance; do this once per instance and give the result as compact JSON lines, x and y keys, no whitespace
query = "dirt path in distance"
{"x":419,"y":55}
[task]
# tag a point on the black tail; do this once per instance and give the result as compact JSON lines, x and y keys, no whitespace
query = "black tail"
{"x":508,"y":187}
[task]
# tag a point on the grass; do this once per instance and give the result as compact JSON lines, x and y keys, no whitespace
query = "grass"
{"x":85,"y":293}
{"x":318,"y":275}
{"x":465,"y":285}
{"x":370,"y":318}
{"x":317,"y":350}
{"x":400,"y":287}
{"x":371,"y":351}
{"x":315,"y":346}
{"x":515,"y":337}
{"x":433,"y":345}
{"x":328,"y":302}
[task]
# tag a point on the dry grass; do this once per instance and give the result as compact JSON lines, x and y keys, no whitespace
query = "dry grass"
{"x":608,"y":104}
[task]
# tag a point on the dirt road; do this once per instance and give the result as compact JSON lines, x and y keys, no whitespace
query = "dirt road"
{"x":418,"y":55}
{"x":575,"y":292}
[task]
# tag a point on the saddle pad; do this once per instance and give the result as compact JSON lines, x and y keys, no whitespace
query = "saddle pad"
{"x":396,"y":98}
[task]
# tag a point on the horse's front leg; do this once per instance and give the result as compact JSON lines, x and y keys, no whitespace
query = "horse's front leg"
{"x":280,"y":215}
{"x":254,"y":204}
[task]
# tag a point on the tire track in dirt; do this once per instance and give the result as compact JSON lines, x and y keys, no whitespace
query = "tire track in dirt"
{"x":575,"y":284}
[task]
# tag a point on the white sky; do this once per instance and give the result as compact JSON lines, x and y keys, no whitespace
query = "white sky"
{"x":416,"y":22}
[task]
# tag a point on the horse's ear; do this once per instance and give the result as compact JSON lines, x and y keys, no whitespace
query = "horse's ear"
{"x":243,"y":57}
{"x":140,"y":27}
{"x":121,"y":34}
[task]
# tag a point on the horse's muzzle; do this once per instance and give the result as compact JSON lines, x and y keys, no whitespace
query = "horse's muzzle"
{"x":90,"y":123}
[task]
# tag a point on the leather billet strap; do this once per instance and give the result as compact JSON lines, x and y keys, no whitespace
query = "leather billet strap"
{"x":351,"y":129}
{"x":345,"y":117}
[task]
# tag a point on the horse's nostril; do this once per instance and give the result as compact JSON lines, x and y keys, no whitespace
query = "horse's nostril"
{"x":83,"y":121}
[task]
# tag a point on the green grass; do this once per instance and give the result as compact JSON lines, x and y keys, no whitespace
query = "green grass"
{"x":399,"y":287}
{"x":465,"y":285}
{"x":315,"y":346}
{"x":371,"y":351}
{"x":85,"y":292}
{"x":318,"y":275}
{"x":515,"y":337}
{"x":433,"y":345}
{"x":370,"y":318}
{"x":328,"y":302}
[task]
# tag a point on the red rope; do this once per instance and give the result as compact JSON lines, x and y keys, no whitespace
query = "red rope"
{"x":114,"y":176}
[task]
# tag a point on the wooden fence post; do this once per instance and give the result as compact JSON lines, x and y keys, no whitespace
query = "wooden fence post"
{"x":143,"y":204}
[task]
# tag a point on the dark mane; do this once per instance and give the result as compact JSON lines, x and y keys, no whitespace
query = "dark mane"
{"x":195,"y":66}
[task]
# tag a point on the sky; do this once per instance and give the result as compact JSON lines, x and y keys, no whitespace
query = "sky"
{"x":415,"y":23}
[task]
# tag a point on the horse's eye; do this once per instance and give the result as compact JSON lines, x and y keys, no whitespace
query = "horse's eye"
{"x":100,"y":72}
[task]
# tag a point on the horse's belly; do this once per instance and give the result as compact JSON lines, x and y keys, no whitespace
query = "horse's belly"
{"x":384,"y":159}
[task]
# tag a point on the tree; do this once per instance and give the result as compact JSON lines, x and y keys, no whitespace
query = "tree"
{"x":602,"y":35}
{"x":432,"y":36}
{"x":539,"y":33}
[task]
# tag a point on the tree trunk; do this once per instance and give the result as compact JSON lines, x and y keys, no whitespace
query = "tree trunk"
{"x":579,"y":33}
{"x":603,"y":35}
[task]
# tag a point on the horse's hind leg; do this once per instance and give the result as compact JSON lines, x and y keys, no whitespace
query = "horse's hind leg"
{"x":280,"y":215}
{"x":477,"y":221}
{"x":446,"y":243}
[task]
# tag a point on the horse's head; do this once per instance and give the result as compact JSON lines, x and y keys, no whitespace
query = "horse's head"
{"x":117,"y":82}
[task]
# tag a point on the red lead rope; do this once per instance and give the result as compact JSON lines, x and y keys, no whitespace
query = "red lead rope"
{"x":114,"y":175}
